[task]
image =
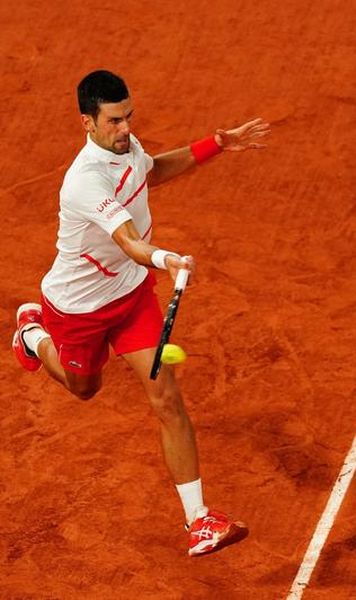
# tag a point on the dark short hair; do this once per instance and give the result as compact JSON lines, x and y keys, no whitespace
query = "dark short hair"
{"x":99,"y":87}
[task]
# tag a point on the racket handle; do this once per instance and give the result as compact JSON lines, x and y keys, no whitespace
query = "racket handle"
{"x":181,"y":280}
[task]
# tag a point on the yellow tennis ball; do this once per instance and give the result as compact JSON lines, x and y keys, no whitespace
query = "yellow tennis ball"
{"x":173,"y":354}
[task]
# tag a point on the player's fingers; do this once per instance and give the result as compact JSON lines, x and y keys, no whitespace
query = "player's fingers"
{"x":183,"y":262}
{"x":174,"y":263}
{"x":244,"y":147}
{"x":247,"y":126}
{"x":188,"y":262}
{"x":252,"y":123}
{"x":261,"y":125}
{"x":261,"y":130}
{"x":257,"y":134}
{"x":242,"y":134}
{"x":257,"y":146}
{"x":244,"y":140}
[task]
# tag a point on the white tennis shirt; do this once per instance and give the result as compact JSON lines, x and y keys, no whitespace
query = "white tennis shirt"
{"x":101,"y":190}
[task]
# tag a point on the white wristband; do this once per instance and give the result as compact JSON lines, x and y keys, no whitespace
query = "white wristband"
{"x":158,"y":258}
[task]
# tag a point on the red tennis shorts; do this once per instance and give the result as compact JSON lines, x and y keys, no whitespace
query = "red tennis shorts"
{"x":128,"y":324}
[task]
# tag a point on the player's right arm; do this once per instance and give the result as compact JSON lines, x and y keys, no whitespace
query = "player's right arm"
{"x":95,"y":203}
{"x":128,"y":239}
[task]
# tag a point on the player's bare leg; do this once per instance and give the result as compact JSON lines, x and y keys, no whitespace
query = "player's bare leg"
{"x":47,"y":352}
{"x":82,"y":386}
{"x":208,"y":530}
{"x":177,"y":434}
{"x":34,"y":348}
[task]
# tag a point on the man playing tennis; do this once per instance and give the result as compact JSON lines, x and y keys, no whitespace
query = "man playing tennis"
{"x":99,"y":291}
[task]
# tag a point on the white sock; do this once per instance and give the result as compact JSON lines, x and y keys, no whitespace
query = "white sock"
{"x":33,"y":337}
{"x":191,"y":496}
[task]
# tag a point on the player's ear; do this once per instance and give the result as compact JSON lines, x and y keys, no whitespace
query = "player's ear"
{"x":88,"y":123}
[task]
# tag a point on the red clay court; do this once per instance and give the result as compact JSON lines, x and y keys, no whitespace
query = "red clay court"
{"x":87,"y":511}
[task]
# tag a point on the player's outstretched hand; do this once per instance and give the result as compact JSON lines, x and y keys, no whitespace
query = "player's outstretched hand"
{"x":243,"y":138}
{"x":174,"y":264}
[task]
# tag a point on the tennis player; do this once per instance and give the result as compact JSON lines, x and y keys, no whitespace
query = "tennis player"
{"x":99,"y":291}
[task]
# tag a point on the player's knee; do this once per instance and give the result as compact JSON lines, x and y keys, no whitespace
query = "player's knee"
{"x":167,"y":404}
{"x":85,"y":392}
{"x":82,"y":387}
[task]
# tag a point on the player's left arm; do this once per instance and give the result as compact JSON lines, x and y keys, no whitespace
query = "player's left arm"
{"x":173,"y":163}
{"x":169,"y":165}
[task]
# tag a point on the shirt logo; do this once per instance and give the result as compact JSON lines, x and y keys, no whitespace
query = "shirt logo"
{"x":113,"y":212}
{"x":103,"y":205}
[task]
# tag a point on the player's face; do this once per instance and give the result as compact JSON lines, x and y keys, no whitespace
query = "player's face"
{"x":111,"y":128}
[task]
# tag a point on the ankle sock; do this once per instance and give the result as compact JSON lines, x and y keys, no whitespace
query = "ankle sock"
{"x":32,"y":337}
{"x":191,"y":496}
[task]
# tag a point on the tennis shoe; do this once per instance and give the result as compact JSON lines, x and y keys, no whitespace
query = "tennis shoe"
{"x":28,"y":316}
{"x":213,"y":532}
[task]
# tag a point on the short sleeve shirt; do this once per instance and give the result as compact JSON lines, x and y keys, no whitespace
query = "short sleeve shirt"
{"x":101,"y":191}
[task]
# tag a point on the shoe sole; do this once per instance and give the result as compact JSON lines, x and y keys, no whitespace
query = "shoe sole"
{"x":27,"y":306}
{"x":35,"y":367}
{"x":235,"y":533}
{"x":24,"y":307}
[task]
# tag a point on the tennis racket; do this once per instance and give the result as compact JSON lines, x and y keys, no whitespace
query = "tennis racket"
{"x":179,"y":287}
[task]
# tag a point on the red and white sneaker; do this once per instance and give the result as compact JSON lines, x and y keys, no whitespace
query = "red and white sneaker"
{"x":28,"y":316}
{"x":213,"y":532}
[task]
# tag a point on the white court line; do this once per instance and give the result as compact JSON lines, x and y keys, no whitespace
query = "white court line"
{"x":325,"y":524}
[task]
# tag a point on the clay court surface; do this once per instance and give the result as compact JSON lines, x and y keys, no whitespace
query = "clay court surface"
{"x":87,"y":511}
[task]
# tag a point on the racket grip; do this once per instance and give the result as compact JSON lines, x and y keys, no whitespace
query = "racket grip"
{"x":181,"y":280}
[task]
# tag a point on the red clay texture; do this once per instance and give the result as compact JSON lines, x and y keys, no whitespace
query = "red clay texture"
{"x":87,"y":510}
